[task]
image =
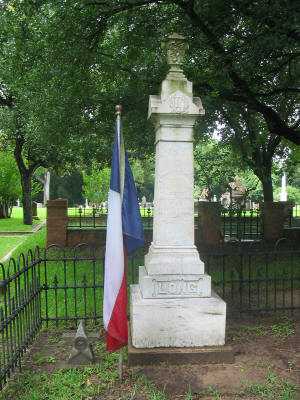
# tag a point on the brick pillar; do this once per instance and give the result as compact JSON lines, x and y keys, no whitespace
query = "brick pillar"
{"x":209,"y":224}
{"x":273,"y":217}
{"x":57,"y":222}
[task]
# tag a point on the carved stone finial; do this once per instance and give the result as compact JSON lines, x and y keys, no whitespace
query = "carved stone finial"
{"x":175,"y":46}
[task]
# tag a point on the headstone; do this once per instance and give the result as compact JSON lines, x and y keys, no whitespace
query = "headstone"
{"x":82,"y":352}
{"x":18,"y":203}
{"x":173,"y":304}
{"x":86,"y":203}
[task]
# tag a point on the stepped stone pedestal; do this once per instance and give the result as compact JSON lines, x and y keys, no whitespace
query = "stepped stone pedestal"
{"x":173,"y":305}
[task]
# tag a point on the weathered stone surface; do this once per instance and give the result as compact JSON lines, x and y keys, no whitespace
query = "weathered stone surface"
{"x":173,"y":260}
{"x":174,"y":285}
{"x":179,"y":356}
{"x":173,"y":305}
{"x":177,"y":322}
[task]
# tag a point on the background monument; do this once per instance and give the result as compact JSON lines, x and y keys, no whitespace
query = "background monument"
{"x":173,"y":304}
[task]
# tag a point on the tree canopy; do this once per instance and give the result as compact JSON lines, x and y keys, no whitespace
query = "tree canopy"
{"x":65,"y":65}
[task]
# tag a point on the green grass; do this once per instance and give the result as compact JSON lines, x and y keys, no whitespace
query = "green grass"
{"x":15,"y":223}
{"x":67,"y":384}
{"x":30,"y":242}
{"x":274,"y":388}
{"x":282,"y":329}
{"x":93,"y":382}
{"x":8,"y":243}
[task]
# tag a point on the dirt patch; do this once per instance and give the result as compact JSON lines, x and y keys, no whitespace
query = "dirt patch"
{"x":261,"y":345}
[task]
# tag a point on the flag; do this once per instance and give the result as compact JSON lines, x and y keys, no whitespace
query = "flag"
{"x":123,"y":236}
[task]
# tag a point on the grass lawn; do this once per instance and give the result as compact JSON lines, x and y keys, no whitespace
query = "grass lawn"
{"x":15,"y":223}
{"x":29,"y":242}
{"x":8,"y":243}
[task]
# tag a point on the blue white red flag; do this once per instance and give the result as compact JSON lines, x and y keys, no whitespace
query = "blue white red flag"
{"x":124,"y":235}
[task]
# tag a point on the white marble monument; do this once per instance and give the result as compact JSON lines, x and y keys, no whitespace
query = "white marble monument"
{"x":173,"y":304}
{"x":283,"y":192}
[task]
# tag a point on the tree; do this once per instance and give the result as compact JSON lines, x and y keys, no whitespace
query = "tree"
{"x":96,"y":184}
{"x":43,"y":101}
{"x":215,"y":167}
{"x":67,"y":186}
{"x":245,"y":132}
{"x":143,"y":172}
{"x":10,"y":187}
{"x":244,"y":53}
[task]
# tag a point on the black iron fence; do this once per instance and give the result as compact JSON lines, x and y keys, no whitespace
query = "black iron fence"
{"x":293,"y":218}
{"x":241,"y":224}
{"x":96,"y":216}
{"x":56,"y":285}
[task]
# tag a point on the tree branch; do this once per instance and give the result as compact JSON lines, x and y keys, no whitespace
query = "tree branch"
{"x":242,"y":92}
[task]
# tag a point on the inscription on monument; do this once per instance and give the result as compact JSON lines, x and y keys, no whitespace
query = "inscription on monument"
{"x":179,"y":103}
{"x":180,"y":287}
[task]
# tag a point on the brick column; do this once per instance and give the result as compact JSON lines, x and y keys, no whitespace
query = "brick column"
{"x":273,"y":217}
{"x":57,"y":222}
{"x":209,"y":224}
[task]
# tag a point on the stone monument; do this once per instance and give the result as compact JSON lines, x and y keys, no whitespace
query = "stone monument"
{"x":283,"y":192}
{"x":173,"y":305}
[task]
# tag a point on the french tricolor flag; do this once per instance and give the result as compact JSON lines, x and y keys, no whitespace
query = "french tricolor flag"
{"x":124,"y":235}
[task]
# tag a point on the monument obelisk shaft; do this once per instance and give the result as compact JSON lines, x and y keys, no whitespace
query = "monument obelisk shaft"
{"x":173,"y":304}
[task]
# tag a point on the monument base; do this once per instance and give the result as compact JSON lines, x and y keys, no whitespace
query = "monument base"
{"x":178,"y":356}
{"x":177,"y":322}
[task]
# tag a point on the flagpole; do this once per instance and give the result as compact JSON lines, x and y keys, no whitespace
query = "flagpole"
{"x":118,"y":114}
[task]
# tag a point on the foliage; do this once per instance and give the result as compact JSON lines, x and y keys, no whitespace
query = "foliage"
{"x":10,"y":187}
{"x":64,"y":66}
{"x":252,"y":185}
{"x":293,"y":194}
{"x":67,"y":186}
{"x":96,"y":184}
{"x":215,"y":167}
{"x":143,"y":172}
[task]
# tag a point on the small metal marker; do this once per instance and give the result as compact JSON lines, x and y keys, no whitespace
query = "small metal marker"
{"x":82,"y":352}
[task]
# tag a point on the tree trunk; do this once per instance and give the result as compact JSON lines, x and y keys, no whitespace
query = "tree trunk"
{"x":26,"y":197}
{"x":267,"y":186}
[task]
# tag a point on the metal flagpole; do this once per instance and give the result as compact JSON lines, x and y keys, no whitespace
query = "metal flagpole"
{"x":118,"y":113}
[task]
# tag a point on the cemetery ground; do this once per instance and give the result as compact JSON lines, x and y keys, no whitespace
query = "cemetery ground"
{"x":15,"y":222}
{"x":267,"y":366}
{"x":267,"y":362}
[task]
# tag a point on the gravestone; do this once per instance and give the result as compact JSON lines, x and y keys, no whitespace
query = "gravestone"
{"x":173,"y":305}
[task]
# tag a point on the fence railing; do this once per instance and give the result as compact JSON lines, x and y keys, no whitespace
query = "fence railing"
{"x":241,"y":224}
{"x":293,"y":218}
{"x":57,"y":285}
{"x":95,"y":216}
{"x":20,"y":310}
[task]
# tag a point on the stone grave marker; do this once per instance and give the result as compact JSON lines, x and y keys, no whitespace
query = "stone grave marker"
{"x":173,"y":306}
